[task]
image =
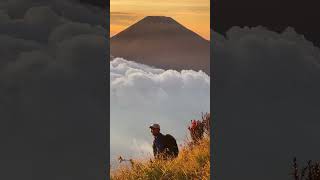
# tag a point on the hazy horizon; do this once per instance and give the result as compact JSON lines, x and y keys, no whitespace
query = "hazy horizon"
{"x":193,"y":14}
{"x":112,"y":35}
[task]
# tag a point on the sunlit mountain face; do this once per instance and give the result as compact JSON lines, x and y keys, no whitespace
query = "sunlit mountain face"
{"x":164,"y":43}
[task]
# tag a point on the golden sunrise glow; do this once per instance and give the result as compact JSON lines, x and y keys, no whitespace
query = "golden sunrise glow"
{"x":193,"y":14}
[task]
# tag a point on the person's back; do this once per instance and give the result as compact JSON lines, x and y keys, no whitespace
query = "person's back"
{"x":171,"y":146}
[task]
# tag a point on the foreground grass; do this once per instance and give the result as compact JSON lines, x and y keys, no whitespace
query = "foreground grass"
{"x":193,"y":162}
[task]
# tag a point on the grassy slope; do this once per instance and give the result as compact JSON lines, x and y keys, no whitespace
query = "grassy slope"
{"x":192,"y":163}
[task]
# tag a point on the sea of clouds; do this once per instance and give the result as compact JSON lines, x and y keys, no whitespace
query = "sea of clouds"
{"x":141,"y":95}
{"x":266,"y":102}
{"x":53,"y":96}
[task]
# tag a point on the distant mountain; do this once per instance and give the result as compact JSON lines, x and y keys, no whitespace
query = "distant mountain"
{"x":164,"y":43}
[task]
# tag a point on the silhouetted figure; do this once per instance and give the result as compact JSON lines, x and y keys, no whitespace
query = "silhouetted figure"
{"x":164,"y":146}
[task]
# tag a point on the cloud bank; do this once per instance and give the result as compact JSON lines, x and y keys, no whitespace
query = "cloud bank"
{"x":266,"y":102}
{"x":52,"y":90}
{"x":140,"y":95}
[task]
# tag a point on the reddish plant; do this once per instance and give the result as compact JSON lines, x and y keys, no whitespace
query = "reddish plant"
{"x":199,"y":127}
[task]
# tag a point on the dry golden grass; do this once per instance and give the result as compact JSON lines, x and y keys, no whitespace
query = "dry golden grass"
{"x":193,"y":162}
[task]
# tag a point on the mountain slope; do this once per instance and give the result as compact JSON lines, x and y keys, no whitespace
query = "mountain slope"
{"x":164,"y":43}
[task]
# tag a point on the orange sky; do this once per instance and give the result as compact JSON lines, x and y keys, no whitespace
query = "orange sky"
{"x":194,"y":14}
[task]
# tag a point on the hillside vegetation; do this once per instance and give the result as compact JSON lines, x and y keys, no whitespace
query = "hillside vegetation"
{"x":311,"y":171}
{"x":193,"y":161}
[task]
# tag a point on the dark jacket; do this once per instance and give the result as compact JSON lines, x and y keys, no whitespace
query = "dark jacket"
{"x":159,"y":146}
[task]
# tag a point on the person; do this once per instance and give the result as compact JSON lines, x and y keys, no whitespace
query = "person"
{"x":164,"y":146}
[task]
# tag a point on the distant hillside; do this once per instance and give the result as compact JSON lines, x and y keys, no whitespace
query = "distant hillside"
{"x":164,"y":43}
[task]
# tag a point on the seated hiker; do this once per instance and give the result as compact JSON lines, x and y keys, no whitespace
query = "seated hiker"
{"x":164,"y":146}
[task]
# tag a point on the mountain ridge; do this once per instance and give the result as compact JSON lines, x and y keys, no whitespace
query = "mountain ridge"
{"x":162,"y":42}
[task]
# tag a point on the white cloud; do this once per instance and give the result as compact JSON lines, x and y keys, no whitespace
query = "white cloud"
{"x":140,"y":95}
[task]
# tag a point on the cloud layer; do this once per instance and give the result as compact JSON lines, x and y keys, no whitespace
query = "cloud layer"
{"x":52,"y":90}
{"x":266,"y":102}
{"x":140,"y":95}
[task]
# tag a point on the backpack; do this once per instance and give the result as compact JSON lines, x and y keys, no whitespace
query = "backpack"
{"x":171,"y":144}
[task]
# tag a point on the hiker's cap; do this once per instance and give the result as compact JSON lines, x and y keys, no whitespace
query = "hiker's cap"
{"x":156,"y":126}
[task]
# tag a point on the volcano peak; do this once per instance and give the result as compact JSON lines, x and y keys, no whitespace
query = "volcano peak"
{"x":162,"y":42}
{"x":158,"y":19}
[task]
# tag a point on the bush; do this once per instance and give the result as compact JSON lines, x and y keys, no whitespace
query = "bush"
{"x":199,"y":127}
{"x":309,"y":172}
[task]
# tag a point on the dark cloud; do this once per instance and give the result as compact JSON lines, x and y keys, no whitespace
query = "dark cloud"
{"x":53,"y":90}
{"x":99,"y":3}
{"x":273,"y":14}
{"x":265,"y":102}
